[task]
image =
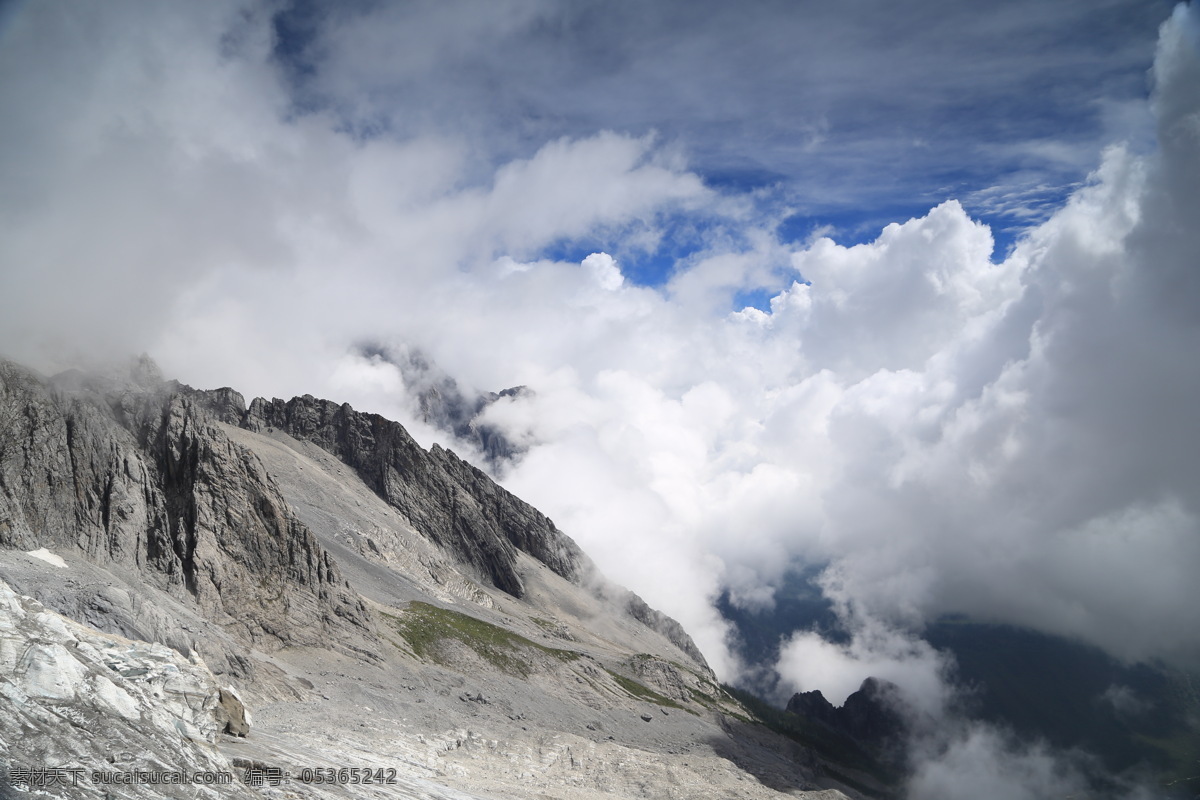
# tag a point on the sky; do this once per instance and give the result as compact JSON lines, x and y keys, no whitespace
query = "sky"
{"x":905,"y":291}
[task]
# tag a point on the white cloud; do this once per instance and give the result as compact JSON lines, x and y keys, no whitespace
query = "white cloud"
{"x":874,"y":651}
{"x":604,"y":271}
{"x":982,"y":762}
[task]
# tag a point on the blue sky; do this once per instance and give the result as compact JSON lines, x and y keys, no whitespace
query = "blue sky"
{"x":840,"y":118}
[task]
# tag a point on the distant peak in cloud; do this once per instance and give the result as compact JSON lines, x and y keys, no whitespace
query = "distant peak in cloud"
{"x":441,"y":403}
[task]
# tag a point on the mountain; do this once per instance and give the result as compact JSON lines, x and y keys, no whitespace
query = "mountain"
{"x":1134,"y":717}
{"x":445,"y":406}
{"x":869,"y":716}
{"x":1137,"y":719}
{"x":279,"y":590}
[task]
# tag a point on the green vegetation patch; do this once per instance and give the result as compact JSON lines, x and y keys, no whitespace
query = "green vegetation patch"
{"x":1181,"y":752}
{"x":643,"y":692}
{"x":706,"y":701}
{"x":425,"y":627}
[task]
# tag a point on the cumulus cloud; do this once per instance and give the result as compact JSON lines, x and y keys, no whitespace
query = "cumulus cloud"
{"x":604,"y":271}
{"x":874,"y":651}
{"x":1028,"y":462}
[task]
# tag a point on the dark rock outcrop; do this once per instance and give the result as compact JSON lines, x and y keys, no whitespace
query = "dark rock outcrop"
{"x":871,"y":715}
{"x":443,"y":497}
{"x":655,"y":620}
{"x":813,"y":705}
{"x":135,"y":475}
{"x":528,"y":529}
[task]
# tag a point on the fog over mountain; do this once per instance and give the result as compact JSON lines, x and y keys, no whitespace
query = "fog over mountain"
{"x":673,"y":228}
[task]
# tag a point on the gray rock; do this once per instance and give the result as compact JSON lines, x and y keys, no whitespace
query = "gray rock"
{"x":523,"y":525}
{"x":231,"y":713}
{"x":443,"y":497}
{"x":137,"y":477}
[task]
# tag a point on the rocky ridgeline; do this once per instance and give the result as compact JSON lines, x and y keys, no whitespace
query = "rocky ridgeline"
{"x":445,"y":498}
{"x":456,"y":504}
{"x":139,"y":478}
{"x":135,"y":472}
{"x":452,"y":502}
{"x":871,"y":716}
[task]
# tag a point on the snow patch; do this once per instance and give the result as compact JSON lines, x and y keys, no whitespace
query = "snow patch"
{"x":48,"y":557}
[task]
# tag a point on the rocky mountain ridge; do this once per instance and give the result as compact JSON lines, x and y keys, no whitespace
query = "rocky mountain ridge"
{"x":452,"y":501}
{"x":871,"y":717}
{"x":139,"y":478}
{"x":373,"y":603}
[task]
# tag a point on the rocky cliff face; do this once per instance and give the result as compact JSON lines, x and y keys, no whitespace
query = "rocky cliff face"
{"x":454,"y":503}
{"x":444,"y":497}
{"x":870,"y":715}
{"x":135,"y":476}
{"x":400,"y":471}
